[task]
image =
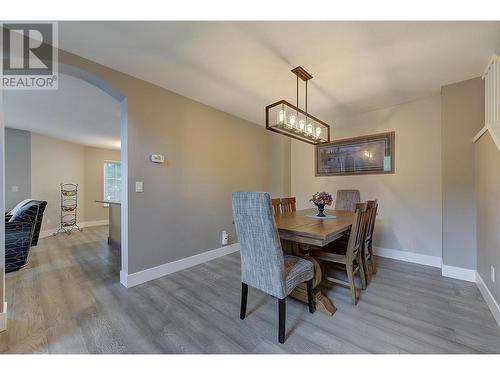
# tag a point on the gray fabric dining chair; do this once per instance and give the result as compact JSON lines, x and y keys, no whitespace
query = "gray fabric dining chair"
{"x":347,"y":199}
{"x":263,"y":265}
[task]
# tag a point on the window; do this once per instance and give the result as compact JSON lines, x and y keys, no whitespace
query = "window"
{"x":112,"y":181}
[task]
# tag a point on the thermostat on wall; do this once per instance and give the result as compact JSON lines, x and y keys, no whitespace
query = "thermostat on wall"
{"x":157,"y":158}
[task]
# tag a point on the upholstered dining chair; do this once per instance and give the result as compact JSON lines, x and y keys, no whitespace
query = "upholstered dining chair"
{"x":288,"y":204}
{"x":263,"y":265}
{"x":367,"y":248}
{"x":347,"y":199}
{"x":347,"y":255}
{"x":276,"y":205}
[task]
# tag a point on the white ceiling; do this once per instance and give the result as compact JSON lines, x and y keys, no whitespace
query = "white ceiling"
{"x":77,"y":112}
{"x":240,"y":67}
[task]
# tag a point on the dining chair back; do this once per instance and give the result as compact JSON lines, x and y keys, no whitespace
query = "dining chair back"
{"x":357,"y":232}
{"x":367,"y":249}
{"x":347,"y":199}
{"x":288,"y":204}
{"x":263,"y":265}
{"x":347,"y":254}
{"x":276,"y":205}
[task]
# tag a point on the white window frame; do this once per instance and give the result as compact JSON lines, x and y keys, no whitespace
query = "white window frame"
{"x":104,"y":177}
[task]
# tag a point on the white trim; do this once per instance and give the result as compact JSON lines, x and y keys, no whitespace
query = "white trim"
{"x":490,"y":128}
{"x":465,"y":274}
{"x":3,"y":318}
{"x":140,"y":277}
{"x":488,"y":297}
{"x":494,"y":57}
{"x":427,"y":260}
{"x":494,"y":129}
{"x":480,"y":133}
{"x":83,"y":224}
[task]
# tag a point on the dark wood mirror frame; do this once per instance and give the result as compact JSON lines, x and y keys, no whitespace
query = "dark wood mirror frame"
{"x":387,"y":138}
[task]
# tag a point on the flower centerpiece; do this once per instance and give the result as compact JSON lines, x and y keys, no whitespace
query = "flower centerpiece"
{"x":320,"y":200}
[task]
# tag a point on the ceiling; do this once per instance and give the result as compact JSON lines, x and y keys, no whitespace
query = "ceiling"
{"x":240,"y":67}
{"x":77,"y":112}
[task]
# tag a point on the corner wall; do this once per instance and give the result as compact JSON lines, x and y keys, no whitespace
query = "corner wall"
{"x":487,"y":181}
{"x":462,"y":118}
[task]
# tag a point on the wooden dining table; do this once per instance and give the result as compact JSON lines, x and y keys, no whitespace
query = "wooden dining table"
{"x":300,"y":233}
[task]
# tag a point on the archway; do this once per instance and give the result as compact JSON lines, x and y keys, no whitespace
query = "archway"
{"x":122,"y":100}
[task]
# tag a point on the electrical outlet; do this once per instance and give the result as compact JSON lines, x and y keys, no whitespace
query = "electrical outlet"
{"x":225,"y":237}
{"x":492,"y":274}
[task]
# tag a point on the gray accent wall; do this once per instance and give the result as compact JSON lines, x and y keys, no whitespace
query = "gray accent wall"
{"x":17,"y":166}
{"x":462,"y":117}
{"x":186,"y":201}
{"x":487,"y":179}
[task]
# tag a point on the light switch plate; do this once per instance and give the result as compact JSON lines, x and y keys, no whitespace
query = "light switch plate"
{"x":15,"y":189}
{"x":155,"y":158}
{"x":139,"y":187}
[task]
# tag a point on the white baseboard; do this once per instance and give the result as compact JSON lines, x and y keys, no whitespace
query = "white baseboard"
{"x":427,"y":260}
{"x":83,"y":224}
{"x":488,"y":297}
{"x":140,"y":277}
{"x":465,"y":274}
{"x":3,"y":318}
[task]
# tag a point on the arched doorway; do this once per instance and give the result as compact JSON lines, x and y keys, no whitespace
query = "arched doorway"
{"x":122,"y":100}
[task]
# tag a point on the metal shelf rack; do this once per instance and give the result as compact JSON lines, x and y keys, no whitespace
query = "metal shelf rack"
{"x":69,"y":207}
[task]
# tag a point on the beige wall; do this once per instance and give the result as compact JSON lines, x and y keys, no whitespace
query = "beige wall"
{"x":462,"y":118}
{"x":410,"y":200}
{"x":487,"y":181}
{"x":54,"y":162}
{"x":187,"y":201}
{"x":94,"y":181}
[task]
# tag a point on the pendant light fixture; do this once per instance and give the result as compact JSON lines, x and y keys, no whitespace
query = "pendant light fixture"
{"x":288,"y":119}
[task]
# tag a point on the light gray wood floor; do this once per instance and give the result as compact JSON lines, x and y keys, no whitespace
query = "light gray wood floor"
{"x":69,"y":300}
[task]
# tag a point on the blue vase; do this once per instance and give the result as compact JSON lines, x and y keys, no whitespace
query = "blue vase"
{"x":321,"y":208}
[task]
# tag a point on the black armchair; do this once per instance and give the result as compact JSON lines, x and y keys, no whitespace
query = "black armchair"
{"x":19,"y":236}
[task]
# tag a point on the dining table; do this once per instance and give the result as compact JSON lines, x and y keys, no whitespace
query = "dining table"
{"x":302,"y":231}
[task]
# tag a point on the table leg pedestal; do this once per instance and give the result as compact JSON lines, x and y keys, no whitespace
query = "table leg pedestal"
{"x":321,"y":301}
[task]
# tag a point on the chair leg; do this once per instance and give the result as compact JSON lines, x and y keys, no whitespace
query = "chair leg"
{"x":362,"y":273}
{"x":310,"y":302}
{"x":368,"y":269}
{"x":352,"y":285}
{"x":282,"y":319}
{"x":244,"y":296}
{"x":374,"y":268}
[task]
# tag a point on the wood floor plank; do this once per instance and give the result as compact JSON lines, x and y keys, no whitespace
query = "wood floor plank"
{"x":68,"y":299}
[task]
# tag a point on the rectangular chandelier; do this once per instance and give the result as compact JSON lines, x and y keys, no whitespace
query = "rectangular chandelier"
{"x":288,"y":119}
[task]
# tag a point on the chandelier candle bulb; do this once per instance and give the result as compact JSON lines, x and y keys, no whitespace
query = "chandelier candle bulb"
{"x":318,"y":132}
{"x":302,"y":125}
{"x":292,"y":121}
{"x":281,"y":116}
{"x":309,"y":129}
